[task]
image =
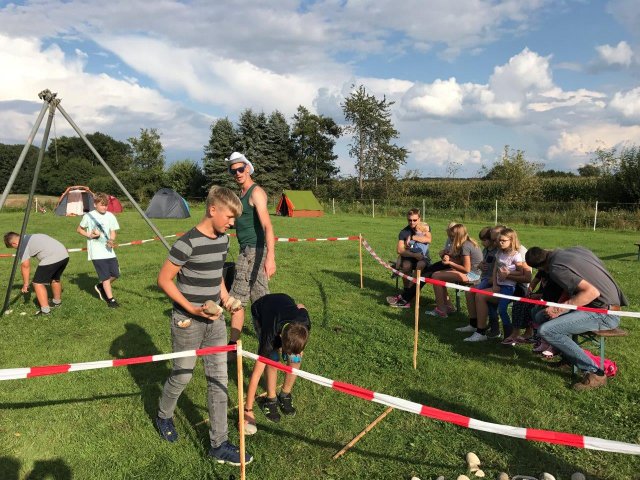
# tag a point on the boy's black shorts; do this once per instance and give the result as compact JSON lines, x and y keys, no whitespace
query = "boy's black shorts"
{"x":106,"y":268}
{"x":51,"y":272}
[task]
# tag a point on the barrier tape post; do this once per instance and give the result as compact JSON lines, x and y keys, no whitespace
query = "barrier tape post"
{"x":362,"y":433}
{"x":240,"y":407}
{"x":416,"y":316}
{"x":360,"y":251}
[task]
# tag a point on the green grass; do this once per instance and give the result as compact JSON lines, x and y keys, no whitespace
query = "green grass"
{"x":97,"y":424}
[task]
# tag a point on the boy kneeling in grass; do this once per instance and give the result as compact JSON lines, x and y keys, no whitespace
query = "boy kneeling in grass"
{"x":281,"y":326}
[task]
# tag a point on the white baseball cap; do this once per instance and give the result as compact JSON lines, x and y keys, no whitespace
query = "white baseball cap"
{"x":237,"y":157}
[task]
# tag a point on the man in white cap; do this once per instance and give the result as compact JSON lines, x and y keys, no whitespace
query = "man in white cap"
{"x":257,"y":259}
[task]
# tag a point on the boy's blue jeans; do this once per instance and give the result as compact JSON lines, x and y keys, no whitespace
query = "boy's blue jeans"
{"x":558,"y":331}
{"x":200,"y":334}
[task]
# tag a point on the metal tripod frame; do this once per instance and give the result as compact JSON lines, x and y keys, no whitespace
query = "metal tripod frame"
{"x":52,"y":104}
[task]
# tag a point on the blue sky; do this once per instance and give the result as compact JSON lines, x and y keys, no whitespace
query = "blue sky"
{"x":556,"y":79}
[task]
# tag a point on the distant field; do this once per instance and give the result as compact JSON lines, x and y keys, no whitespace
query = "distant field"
{"x":98,"y":424}
{"x":19,"y":200}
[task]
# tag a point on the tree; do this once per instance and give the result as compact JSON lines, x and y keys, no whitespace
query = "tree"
{"x":116,"y":154}
{"x":9,"y":155}
{"x":147,"y":150}
{"x":222,"y":142}
{"x":551,"y":173}
{"x":628,"y":175}
{"x":372,"y":130}
{"x":186,"y":178}
{"x":313,"y":137}
{"x":518,"y":172}
{"x":279,"y":151}
{"x":589,"y":170}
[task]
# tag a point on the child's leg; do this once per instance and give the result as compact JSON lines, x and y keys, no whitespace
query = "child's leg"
{"x":107,"y":287}
{"x":503,"y":310}
{"x":272,"y":378}
{"x":41,"y":295}
{"x":254,"y":381}
{"x":56,"y":290}
{"x":290,"y":378}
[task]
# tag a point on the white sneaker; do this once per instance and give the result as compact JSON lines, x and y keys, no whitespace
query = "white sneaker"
{"x":476,"y":337}
{"x":466,"y":328}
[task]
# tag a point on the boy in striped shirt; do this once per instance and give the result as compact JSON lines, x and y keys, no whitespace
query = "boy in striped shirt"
{"x":195,"y":262}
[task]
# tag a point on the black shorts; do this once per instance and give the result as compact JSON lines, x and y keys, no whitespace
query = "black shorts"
{"x":50,"y":273}
{"x":106,"y":268}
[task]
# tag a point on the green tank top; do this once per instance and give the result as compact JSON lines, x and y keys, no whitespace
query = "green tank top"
{"x":248,"y":227}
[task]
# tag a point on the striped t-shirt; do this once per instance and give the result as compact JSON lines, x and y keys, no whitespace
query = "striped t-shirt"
{"x":201,"y":259}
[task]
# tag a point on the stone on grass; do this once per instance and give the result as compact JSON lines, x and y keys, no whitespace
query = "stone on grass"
{"x":546,"y":476}
{"x":463,"y":477}
{"x":479,"y":473}
{"x":472,"y":460}
{"x":578,"y":476}
{"x":503,"y":476}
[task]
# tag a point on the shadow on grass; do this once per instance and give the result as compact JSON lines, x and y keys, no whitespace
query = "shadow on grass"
{"x":48,"y":403}
{"x":150,"y":378}
{"x":522,"y":455}
{"x":618,"y":256}
{"x":323,"y":297}
{"x":55,"y":469}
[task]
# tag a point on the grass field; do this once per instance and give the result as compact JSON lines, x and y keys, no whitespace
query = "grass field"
{"x":98,"y":424}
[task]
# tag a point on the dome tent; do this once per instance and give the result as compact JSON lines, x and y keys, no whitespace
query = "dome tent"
{"x":114,"y":205}
{"x":167,"y":204}
{"x":76,"y":200}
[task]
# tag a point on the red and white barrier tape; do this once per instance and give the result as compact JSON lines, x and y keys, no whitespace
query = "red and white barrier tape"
{"x":548,"y":436}
{"x":457,"y":286}
{"x":277,"y":239}
{"x":29,"y":372}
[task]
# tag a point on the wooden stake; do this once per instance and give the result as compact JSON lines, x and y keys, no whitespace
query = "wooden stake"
{"x":416,"y":316}
{"x":360,"y":250}
{"x":240,"y":407}
{"x":363,"y":433}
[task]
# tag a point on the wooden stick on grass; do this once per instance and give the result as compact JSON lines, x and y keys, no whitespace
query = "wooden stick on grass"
{"x":360,"y":251}
{"x":363,"y":433}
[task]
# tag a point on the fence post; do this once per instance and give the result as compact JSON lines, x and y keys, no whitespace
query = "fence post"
{"x":595,"y":217}
{"x":373,"y":208}
{"x":424,"y":213}
{"x":333,"y":205}
{"x":496,"y":221}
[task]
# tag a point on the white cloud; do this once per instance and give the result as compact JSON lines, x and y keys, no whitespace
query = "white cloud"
{"x":627,"y":104}
{"x":574,"y":147}
{"x":442,"y":98}
{"x":438,"y":153}
{"x":620,"y":55}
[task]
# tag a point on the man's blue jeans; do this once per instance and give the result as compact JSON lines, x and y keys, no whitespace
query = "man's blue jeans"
{"x":558,"y":331}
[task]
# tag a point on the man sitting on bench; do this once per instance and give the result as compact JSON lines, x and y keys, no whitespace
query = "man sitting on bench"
{"x":408,"y":261}
{"x":580,"y":273}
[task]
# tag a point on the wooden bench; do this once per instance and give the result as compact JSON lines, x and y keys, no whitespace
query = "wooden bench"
{"x":597,"y":337}
{"x":638,"y":245}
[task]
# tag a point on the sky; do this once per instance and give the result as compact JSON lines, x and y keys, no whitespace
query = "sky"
{"x":554,"y":78}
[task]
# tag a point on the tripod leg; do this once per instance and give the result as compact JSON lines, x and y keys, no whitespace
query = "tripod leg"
{"x":23,"y":155}
{"x":27,"y":209}
{"x":115,"y":178}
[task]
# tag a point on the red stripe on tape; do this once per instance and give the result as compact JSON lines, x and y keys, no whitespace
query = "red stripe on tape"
{"x":445,"y":416}
{"x":132,"y":361}
{"x":139,"y":242}
{"x":273,"y":363}
{"x":210,"y":350}
{"x":48,"y":370}
{"x":311,"y":239}
{"x":332,"y":239}
{"x":354,"y":237}
{"x":555,"y":437}
{"x":292,"y":239}
{"x":353,"y":390}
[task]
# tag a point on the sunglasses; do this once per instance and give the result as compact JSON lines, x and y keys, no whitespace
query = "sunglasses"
{"x":241,"y":169}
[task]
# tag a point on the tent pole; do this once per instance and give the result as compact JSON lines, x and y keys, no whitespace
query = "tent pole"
{"x":24,"y":152}
{"x":52,"y":101}
{"x":115,"y":178}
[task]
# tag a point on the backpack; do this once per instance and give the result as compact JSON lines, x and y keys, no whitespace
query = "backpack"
{"x":610,"y":367}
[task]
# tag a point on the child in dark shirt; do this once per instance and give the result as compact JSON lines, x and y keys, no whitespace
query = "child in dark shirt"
{"x":282,"y":326}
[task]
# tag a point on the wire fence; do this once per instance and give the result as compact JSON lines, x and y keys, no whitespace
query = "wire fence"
{"x":596,"y":214}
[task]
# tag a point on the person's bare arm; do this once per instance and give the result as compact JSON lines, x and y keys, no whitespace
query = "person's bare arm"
{"x":585,"y":294}
{"x":259,"y":200}
{"x":403,"y":251}
{"x":25,"y":269}
{"x":167,"y":273}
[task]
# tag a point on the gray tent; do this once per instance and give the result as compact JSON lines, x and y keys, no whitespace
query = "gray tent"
{"x":167,"y":204}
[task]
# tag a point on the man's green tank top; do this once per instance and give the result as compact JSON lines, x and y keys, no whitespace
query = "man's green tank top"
{"x":248,"y":226}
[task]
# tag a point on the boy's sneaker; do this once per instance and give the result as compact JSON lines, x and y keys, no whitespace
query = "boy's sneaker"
{"x":167,"y":429}
{"x":54,"y":304}
{"x":100,"y":291}
{"x":466,"y":329}
{"x":476,"y":337}
{"x":393,"y":299}
{"x":112,"y":303}
{"x":229,"y":453}
{"x":401,"y":303}
{"x":270,"y":409}
{"x":494,"y":335}
{"x":436,"y":312}
{"x":40,"y":313}
{"x":285,"y":401}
